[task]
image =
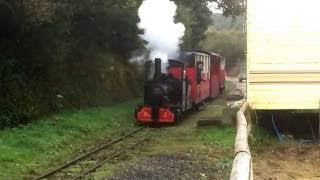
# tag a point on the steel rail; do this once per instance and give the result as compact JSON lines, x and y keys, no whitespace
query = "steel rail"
{"x":114,"y":155}
{"x":67,"y":164}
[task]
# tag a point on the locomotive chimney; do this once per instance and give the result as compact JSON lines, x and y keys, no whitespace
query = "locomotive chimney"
{"x":157,"y":73}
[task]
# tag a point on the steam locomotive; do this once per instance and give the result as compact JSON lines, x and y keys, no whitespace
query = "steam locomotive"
{"x":189,"y":82}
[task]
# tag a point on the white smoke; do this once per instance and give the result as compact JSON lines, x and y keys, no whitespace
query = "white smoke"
{"x":214,"y":8}
{"x":161,"y":32}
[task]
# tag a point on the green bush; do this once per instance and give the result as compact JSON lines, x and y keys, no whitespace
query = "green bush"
{"x":58,"y":54}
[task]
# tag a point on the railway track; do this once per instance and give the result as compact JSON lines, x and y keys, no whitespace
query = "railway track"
{"x":88,"y":162}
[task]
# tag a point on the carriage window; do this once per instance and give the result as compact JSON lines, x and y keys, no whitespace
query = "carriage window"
{"x":199,"y":71}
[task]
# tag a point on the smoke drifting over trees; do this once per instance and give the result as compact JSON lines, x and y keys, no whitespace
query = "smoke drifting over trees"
{"x":161,"y":32}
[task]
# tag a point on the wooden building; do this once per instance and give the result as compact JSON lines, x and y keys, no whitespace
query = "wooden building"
{"x":283,"y":58}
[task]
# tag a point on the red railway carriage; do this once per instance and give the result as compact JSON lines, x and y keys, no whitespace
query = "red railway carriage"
{"x":219,"y":74}
{"x":188,"y":83}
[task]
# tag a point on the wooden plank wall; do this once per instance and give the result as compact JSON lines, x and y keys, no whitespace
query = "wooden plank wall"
{"x":283,"y":66}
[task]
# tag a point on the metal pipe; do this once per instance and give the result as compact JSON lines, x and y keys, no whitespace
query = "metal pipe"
{"x":157,"y":73}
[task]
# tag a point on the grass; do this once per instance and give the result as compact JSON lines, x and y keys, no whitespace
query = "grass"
{"x":33,"y":148}
{"x":212,"y":145}
{"x":222,"y":136}
{"x":219,"y":142}
{"x":28,"y":150}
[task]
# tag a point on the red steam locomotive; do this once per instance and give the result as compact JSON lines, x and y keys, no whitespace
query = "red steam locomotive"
{"x":188,"y":83}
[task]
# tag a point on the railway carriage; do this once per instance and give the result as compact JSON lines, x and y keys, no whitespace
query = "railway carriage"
{"x":189,"y":82}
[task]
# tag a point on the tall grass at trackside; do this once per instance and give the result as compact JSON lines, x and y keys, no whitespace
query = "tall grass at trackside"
{"x":30,"y":149}
{"x":222,"y":136}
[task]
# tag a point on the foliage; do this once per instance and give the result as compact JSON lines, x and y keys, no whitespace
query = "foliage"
{"x":232,"y":7}
{"x":229,"y":43}
{"x":221,"y":23}
{"x":37,"y":147}
{"x":61,"y":54}
{"x":195,"y":15}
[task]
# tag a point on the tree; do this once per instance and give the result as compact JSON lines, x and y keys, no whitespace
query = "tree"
{"x":77,"y":49}
{"x":195,"y":15}
{"x":231,"y":7}
{"x":229,"y":43}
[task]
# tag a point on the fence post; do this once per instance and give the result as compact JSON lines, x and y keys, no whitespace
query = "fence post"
{"x":242,"y":164}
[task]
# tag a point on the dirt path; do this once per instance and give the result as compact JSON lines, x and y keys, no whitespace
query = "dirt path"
{"x":287,"y":161}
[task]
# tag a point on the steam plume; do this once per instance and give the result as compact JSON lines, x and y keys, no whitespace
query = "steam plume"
{"x":161,"y":32}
